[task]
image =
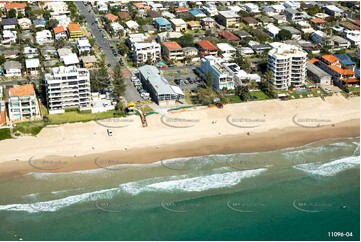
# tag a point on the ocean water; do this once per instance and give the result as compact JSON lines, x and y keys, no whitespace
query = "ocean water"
{"x":303,"y":193}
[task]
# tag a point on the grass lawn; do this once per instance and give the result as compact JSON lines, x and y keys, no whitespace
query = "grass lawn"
{"x":146,"y":109}
{"x":5,"y":134}
{"x":188,"y":97}
{"x":73,"y":117}
{"x":32,"y":128}
{"x":234,"y":99}
{"x":258,"y":95}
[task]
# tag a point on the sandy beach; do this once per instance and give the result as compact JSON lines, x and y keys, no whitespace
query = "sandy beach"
{"x":245,"y":127}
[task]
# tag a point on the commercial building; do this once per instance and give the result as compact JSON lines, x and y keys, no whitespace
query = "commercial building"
{"x":158,"y":87}
{"x":67,"y":87}
{"x":287,"y":63}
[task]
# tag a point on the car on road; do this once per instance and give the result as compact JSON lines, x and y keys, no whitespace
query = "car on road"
{"x":110,"y":132}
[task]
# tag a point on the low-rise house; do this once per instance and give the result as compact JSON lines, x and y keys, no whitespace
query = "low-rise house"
{"x":32,"y":66}
{"x":272,"y":30}
{"x":8,"y":37}
{"x":206,"y":47}
{"x":172,"y":51}
{"x":259,"y":48}
{"x":165,"y":36}
{"x":197,"y":13}
{"x":210,"y":9}
{"x":10,"y":53}
{"x":251,"y":8}
{"x":70,"y":60}
{"x":64,"y":52}
{"x":102,"y":6}
{"x":44,"y":37}
{"x":318,"y":23}
{"x":162,"y":24}
{"x":346,"y":61}
{"x":24,"y":23}
{"x":349,"y":26}
{"x":264,"y":20}
{"x":158,"y":87}
{"x":19,"y":7}
{"x":293,"y":15}
{"x":334,"y":10}
{"x":89,"y":61}
{"x":137,"y":38}
{"x":228,"y":19}
{"x":280,"y":18}
{"x":48,"y":51}
{"x":227,"y":51}
{"x":190,"y":51}
{"x":83,"y":46}
{"x":8,"y":23}
{"x":353,"y":36}
{"x":178,"y":24}
{"x":208,"y":23}
{"x":278,"y":9}
{"x":340,"y":43}
{"x":321,"y":38}
{"x":193,"y":25}
{"x":39,"y":23}
{"x":27,"y":35}
{"x":246,"y":51}
{"x":317,"y":75}
{"x":22,"y":103}
{"x":305,"y":27}
{"x":58,"y":7}
{"x":74,"y":31}
{"x":123,"y":15}
{"x":111,"y":17}
{"x":243,"y":34}
{"x":12,"y":68}
{"x":30,"y":52}
{"x":60,"y":32}
{"x":250,"y":21}
{"x":132,"y":25}
{"x":167,"y":14}
{"x":63,"y":20}
{"x":229,"y":36}
{"x":292,"y":4}
{"x":150,"y":29}
{"x":296,"y":34}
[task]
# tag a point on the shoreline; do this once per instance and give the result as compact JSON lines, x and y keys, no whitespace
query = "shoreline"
{"x":244,"y":127}
{"x":276,"y":139}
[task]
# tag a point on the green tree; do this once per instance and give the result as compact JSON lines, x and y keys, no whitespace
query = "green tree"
{"x":267,"y":88}
{"x":118,"y":81}
{"x":99,"y":79}
{"x":313,"y":10}
{"x":12,"y":13}
{"x":187,"y":40}
{"x":46,"y":15}
{"x":243,"y":93}
{"x":2,"y":59}
{"x":210,"y":79}
{"x":284,"y":34}
{"x":52,"y":23}
{"x":28,"y":12}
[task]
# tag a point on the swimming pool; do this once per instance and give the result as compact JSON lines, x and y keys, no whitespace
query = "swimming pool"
{"x":302,"y":91}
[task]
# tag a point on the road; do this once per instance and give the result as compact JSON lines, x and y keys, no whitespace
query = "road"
{"x":100,"y":40}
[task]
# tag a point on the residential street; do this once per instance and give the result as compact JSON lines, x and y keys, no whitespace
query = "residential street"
{"x":131,"y":93}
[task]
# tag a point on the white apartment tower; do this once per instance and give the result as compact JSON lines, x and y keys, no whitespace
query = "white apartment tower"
{"x":287,"y":63}
{"x":67,"y":87}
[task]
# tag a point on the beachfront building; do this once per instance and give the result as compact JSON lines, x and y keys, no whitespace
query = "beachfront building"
{"x":67,"y":87}
{"x":317,"y":75}
{"x":146,"y":52}
{"x":228,"y":19}
{"x":22,"y":103}
{"x":158,"y":87}
{"x":287,"y":63}
{"x":227,"y":51}
{"x":211,"y":66}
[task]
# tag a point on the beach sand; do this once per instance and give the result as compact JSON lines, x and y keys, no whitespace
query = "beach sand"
{"x":245,"y":127}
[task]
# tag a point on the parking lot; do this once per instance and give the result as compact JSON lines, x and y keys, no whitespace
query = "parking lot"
{"x":183,"y":77}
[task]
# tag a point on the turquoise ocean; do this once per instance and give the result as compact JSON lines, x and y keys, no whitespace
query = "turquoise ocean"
{"x":304,"y":193}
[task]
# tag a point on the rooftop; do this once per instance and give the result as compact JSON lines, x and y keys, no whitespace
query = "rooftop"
{"x":330,"y":58}
{"x":74,"y":27}
{"x":15,"y":5}
{"x":32,"y":63}
{"x":229,"y":14}
{"x":228,"y":35}
{"x":162,"y":21}
{"x":58,"y":29}
{"x":207,"y":45}
{"x":172,"y":45}
{"x":318,"y":21}
{"x":22,"y":91}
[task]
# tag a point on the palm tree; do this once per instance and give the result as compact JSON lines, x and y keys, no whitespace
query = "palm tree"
{"x":268,"y":76}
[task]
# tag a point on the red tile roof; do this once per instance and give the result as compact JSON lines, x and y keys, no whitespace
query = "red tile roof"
{"x":207,"y":45}
{"x":58,"y":29}
{"x":178,"y":10}
{"x":21,"y":91}
{"x":313,"y":60}
{"x":228,"y":36}
{"x":172,"y":45}
{"x":357,"y":22}
{"x":318,"y":21}
{"x":341,"y":71}
{"x":330,"y":58}
{"x":111,"y":17}
{"x":15,"y":5}
{"x":74,"y":27}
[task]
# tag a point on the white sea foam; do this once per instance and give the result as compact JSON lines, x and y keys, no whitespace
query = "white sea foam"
{"x":331,"y":168}
{"x":193,"y":184}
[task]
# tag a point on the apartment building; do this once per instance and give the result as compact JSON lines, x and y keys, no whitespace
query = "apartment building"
{"x":228,"y":18}
{"x":67,"y":87}
{"x":211,"y":66}
{"x":287,"y":63}
{"x":143,"y":52}
{"x":293,"y":15}
{"x":22,"y":103}
{"x":172,"y":51}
